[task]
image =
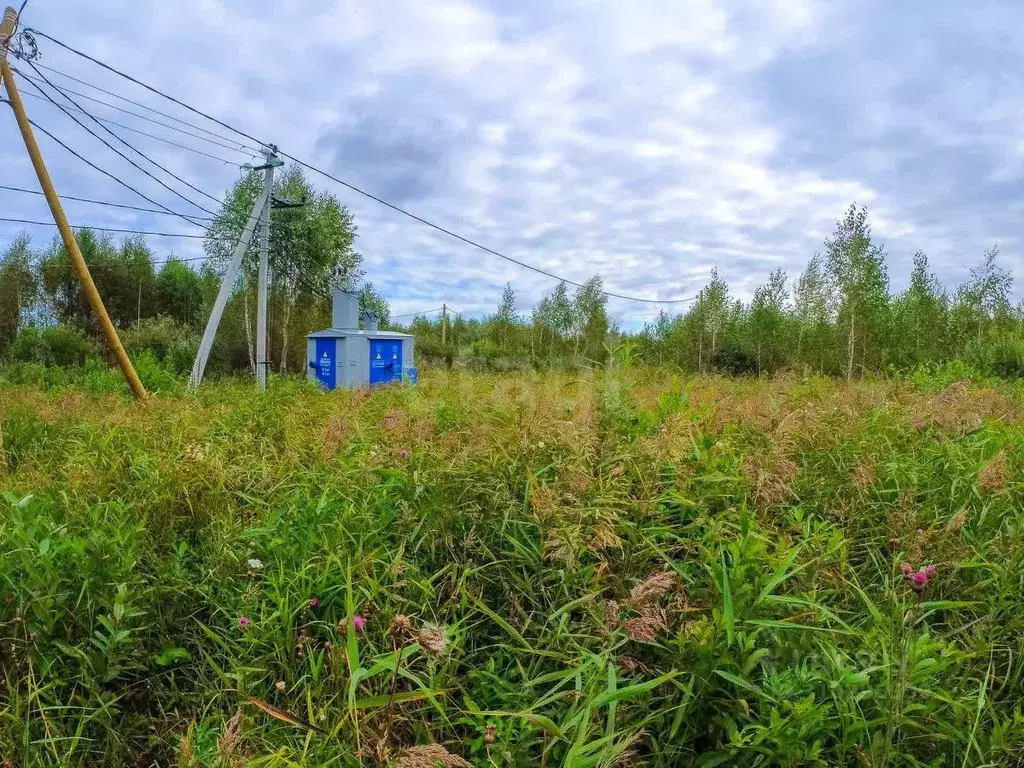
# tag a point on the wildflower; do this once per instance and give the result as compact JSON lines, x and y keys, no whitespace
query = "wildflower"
{"x":920,"y":531}
{"x":314,"y":602}
{"x":907,"y":569}
{"x":280,"y":685}
{"x":8,"y":598}
{"x":254,"y":564}
{"x":243,"y":621}
{"x":919,"y":581}
{"x":400,"y":624}
{"x":433,"y":640}
{"x":404,"y":453}
{"x":930,"y":569}
{"x":357,"y":621}
{"x":489,"y":734}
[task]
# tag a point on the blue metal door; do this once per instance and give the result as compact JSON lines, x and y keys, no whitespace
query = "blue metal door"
{"x":326,"y":367}
{"x":385,"y":360}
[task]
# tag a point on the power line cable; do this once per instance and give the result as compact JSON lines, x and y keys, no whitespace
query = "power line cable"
{"x":108,"y":174}
{"x":240,"y":148}
{"x":108,"y":121}
{"x":103,"y":202}
{"x":147,"y":87}
{"x":418,"y":314}
{"x":185,"y":235}
{"x":325,"y":174}
{"x":137,"y":151}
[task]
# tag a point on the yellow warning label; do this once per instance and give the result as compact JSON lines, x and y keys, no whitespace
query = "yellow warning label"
{"x":394,"y":356}
{"x":324,"y":354}
{"x":378,"y":355}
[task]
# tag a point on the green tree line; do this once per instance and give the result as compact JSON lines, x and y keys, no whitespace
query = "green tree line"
{"x":840,"y":316}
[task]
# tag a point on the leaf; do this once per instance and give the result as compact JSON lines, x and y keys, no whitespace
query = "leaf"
{"x":44,"y":547}
{"x":630,"y":691}
{"x":746,"y":685}
{"x":383,"y":699}
{"x":727,"y":607}
{"x":170,"y":654}
{"x":280,"y":714}
{"x":539,"y":720}
{"x":502,"y":623}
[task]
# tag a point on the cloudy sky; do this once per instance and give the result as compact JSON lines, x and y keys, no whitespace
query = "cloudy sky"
{"x":645,"y":141}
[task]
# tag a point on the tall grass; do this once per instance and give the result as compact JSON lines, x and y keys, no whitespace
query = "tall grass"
{"x":595,"y":570}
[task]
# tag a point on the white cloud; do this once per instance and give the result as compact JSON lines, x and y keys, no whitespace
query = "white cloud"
{"x":648,"y":140}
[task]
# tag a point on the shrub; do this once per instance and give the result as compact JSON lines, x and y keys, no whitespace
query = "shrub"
{"x":60,"y":345}
{"x":735,"y":361}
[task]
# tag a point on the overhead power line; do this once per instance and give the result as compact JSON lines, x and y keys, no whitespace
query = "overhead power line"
{"x":103,"y":202}
{"x":352,"y":187}
{"x":150,"y":88}
{"x":236,"y":145}
{"x":137,"y":151}
{"x":185,"y":235}
{"x":417,"y":314}
{"x":122,"y":126}
{"x":106,"y":173}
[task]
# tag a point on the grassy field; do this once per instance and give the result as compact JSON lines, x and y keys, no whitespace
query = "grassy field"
{"x":593,"y":570}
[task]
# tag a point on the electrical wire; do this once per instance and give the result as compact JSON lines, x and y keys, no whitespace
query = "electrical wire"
{"x":102,"y":202}
{"x":186,"y":235}
{"x":418,"y":314}
{"x":150,"y":88}
{"x":325,"y":174}
{"x":137,"y":151}
{"x":106,"y":173}
{"x":108,"y":121}
{"x":240,"y":148}
{"x":121,"y":154}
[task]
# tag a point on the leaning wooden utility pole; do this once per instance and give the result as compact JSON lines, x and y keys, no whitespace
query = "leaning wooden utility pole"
{"x":444,"y":323}
{"x":66,"y":233}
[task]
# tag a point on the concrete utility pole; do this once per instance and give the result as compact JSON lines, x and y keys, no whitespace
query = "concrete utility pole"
{"x":7,"y":29}
{"x":225,"y":289}
{"x":262,"y":363}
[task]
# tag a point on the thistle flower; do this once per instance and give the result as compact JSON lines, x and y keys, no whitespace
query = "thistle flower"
{"x":433,"y":640}
{"x":243,"y":621}
{"x":357,"y":621}
{"x":907,"y":569}
{"x":404,"y":453}
{"x":930,"y":569}
{"x":314,"y":602}
{"x":400,"y":624}
{"x":919,"y":581}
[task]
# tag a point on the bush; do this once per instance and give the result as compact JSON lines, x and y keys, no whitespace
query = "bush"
{"x":168,"y":341}
{"x":735,"y":361}
{"x":59,"y":345}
